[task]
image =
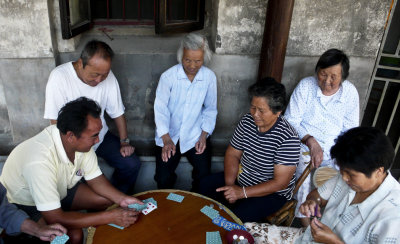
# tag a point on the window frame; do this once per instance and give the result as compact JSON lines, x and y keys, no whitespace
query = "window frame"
{"x":160,"y":22}
{"x":162,"y":27}
{"x":67,"y":30}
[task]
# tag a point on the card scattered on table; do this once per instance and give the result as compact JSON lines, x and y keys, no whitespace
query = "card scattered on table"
{"x":116,"y":226}
{"x":213,"y":237}
{"x":60,"y":239}
{"x":150,"y":207}
{"x":138,"y":207}
{"x":175,"y":197}
{"x":210,"y":212}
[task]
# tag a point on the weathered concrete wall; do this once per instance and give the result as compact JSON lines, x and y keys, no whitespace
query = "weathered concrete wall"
{"x":240,"y":26}
{"x":354,"y":26}
{"x":26,"y":58}
{"x":235,"y":29}
{"x":25,"y":29}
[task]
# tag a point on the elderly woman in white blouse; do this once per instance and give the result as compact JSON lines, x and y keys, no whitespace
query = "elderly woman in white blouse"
{"x":322,"y":107}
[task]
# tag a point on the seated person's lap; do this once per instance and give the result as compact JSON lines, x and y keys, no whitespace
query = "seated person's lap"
{"x":66,"y":204}
{"x":247,"y":210}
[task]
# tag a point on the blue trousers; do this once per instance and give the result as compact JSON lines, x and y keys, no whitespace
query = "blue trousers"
{"x":252,"y":209}
{"x":165,"y":171}
{"x":126,"y":169}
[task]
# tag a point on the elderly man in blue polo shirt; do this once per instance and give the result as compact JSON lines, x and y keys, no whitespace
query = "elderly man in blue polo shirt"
{"x":14,"y":220}
{"x":185,"y":111}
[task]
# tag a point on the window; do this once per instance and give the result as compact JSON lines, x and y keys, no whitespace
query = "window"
{"x":166,"y":15}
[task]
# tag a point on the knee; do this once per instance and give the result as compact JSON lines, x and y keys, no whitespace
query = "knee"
{"x":75,"y":236}
{"x":133,"y":164}
{"x":102,"y":204}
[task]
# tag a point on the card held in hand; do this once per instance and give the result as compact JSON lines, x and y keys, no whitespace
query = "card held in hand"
{"x":60,"y":239}
{"x":138,"y":207}
{"x":150,"y":207}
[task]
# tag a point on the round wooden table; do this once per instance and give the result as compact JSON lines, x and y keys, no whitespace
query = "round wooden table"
{"x":171,"y":222}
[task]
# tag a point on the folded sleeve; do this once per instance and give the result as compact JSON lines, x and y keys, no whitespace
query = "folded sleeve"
{"x":11,"y":218}
{"x":161,"y":111}
{"x":209,"y":111}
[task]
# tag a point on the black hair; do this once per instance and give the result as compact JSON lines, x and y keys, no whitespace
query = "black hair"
{"x":94,"y":47}
{"x":73,"y":116}
{"x":363,"y":149}
{"x":333,"y":57}
{"x":273,"y":91}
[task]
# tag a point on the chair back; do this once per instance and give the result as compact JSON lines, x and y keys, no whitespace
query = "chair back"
{"x":285,"y":215}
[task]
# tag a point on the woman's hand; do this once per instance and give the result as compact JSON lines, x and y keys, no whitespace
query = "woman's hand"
{"x":232,"y":193}
{"x":316,"y":152}
{"x":322,"y":233}
{"x":310,"y":208}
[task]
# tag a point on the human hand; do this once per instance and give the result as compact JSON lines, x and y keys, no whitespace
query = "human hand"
{"x":49,"y":232}
{"x":124,"y":217}
{"x":232,"y":193}
{"x":126,"y":150}
{"x":129,"y":200}
{"x":201,"y":143}
{"x":322,"y":233}
{"x":168,"y":149}
{"x":310,"y":208}
{"x":316,"y":152}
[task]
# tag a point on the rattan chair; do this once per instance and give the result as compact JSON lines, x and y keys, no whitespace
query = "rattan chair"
{"x":285,"y":215}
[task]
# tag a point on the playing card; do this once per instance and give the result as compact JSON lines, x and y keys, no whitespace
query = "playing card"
{"x":213,"y":237}
{"x":138,"y":207}
{"x":210,"y":212}
{"x":116,"y":226}
{"x":60,"y":239}
{"x":150,"y":200}
{"x":150,"y":207}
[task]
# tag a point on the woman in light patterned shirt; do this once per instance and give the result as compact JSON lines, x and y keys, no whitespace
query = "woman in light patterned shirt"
{"x":362,"y":203}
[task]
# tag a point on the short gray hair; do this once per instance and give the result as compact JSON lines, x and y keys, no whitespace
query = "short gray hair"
{"x":194,"y":41}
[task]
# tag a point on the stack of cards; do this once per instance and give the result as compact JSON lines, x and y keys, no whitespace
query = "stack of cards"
{"x":213,"y":237}
{"x":210,"y":212}
{"x":60,"y":239}
{"x":175,"y":197}
{"x":138,"y":207}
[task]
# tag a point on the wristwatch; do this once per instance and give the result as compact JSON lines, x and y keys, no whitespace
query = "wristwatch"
{"x":126,"y":140}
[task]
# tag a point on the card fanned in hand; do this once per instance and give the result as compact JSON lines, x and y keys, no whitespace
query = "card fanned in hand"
{"x":138,"y":207}
{"x":150,"y":207}
{"x":175,"y":197}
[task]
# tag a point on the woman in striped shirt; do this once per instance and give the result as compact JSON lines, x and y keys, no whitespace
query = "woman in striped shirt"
{"x":261,"y":159}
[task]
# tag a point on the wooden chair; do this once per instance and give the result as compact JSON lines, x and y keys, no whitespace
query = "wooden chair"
{"x":285,"y":215}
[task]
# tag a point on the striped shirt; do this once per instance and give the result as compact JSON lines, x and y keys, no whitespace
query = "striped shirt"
{"x":261,"y":151}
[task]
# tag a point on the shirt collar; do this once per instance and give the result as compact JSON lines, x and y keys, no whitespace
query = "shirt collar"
{"x":383,"y":190}
{"x":62,"y":155}
{"x":339,"y":96}
{"x":182,"y":75}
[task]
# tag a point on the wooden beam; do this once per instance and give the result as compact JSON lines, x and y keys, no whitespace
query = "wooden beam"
{"x":276,"y":33}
